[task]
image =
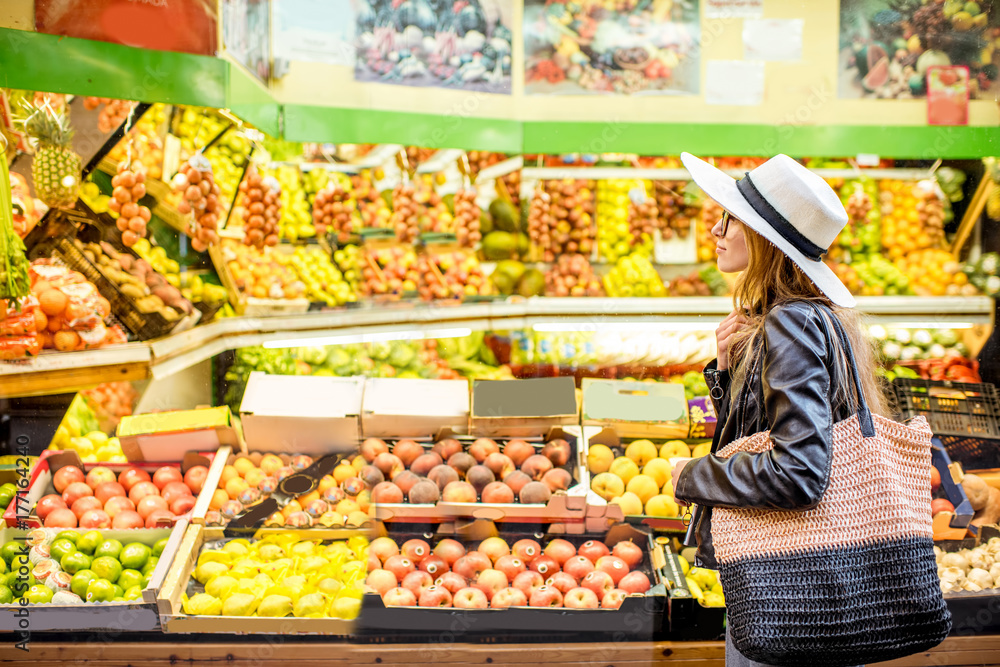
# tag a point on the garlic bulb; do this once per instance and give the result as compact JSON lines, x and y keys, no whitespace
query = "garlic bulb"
{"x":955,"y":560}
{"x":980,"y":578}
{"x":995,"y":573}
{"x":993,"y":547}
{"x":980,"y":558}
{"x":938,"y":554}
{"x":949,"y":586}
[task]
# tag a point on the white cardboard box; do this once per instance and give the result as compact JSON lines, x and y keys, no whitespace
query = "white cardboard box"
{"x":412,"y":408}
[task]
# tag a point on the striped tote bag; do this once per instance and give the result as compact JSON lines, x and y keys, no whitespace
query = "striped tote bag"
{"x":852,"y":580}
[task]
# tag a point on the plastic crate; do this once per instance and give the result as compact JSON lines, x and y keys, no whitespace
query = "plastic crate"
{"x":965,"y":417}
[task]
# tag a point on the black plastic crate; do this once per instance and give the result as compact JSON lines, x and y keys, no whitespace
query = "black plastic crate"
{"x":964,"y":416}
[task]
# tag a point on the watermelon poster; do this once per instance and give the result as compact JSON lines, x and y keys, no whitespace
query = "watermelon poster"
{"x":887,"y":47}
{"x":948,"y":95}
{"x":458,"y":44}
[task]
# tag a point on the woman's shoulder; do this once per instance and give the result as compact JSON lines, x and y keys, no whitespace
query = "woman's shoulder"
{"x":793,"y":321}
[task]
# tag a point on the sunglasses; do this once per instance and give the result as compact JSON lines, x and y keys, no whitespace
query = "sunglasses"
{"x":726,"y":218}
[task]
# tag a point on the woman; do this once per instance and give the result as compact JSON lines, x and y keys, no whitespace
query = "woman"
{"x":778,"y":368}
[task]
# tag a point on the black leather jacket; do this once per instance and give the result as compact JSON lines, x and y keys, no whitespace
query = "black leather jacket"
{"x":787,"y":393}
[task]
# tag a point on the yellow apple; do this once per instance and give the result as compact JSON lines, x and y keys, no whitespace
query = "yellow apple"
{"x":343,"y":472}
{"x":662,"y":505}
{"x":643,"y":486}
{"x":641,"y":451}
{"x":599,"y":458}
{"x":607,"y":485}
{"x":629,"y":502}
{"x":659,"y":470}
{"x":673,"y":448}
{"x":701,"y":449}
{"x":625,"y":468}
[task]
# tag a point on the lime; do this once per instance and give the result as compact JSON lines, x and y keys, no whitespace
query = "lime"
{"x":145,"y":579}
{"x":20,"y":585}
{"x":100,"y":590}
{"x":78,"y":584}
{"x":134,"y":593}
{"x":60,"y":548}
{"x":119,"y":592}
{"x":5,"y":498}
{"x":74,"y":562}
{"x":6,"y":595}
{"x":129,"y":578}
{"x":89,"y":541}
{"x":150,"y":565}
{"x":9,"y":487}
{"x":70,"y":535}
{"x":158,"y":546}
{"x":107,"y":567}
{"x":11,"y":549}
{"x":109,"y":547}
{"x":39,"y":594}
{"x":3,"y":566}
{"x":21,"y":565}
{"x":134,"y":556}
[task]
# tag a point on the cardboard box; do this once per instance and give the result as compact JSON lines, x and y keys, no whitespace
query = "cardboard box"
{"x":178,"y":580}
{"x":567,"y":508}
{"x":640,"y":617}
{"x":636,"y":409}
{"x":522,"y":408}
{"x":131,"y":616}
{"x":302,"y":414}
{"x":21,"y":513}
{"x":411,"y":408}
{"x":167,"y":436}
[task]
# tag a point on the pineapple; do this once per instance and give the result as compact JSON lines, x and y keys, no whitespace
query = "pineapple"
{"x":55,"y":169}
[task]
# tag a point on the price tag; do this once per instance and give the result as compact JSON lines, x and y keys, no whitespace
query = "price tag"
{"x":867,"y":160}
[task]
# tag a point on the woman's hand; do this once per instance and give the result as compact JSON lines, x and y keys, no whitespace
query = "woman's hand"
{"x":735,"y":321}
{"x":678,"y":464}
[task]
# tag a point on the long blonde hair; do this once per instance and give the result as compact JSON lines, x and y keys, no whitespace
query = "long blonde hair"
{"x":772,"y":279}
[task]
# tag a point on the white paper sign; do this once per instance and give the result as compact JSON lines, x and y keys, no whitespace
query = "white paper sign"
{"x":734,"y":82}
{"x":320,"y":31}
{"x":725,"y":9}
{"x":773,"y":39}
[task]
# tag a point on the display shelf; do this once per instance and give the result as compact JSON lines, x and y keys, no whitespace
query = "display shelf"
{"x":607,"y":173}
{"x":500,"y":169}
{"x":70,"y":371}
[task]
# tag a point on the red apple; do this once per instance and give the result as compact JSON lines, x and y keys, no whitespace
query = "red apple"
{"x":470,"y":598}
{"x":560,"y":550}
{"x":451,"y":581}
{"x":415,"y":550}
{"x":526,"y":550}
{"x":491,"y":581}
{"x":127,"y":519}
{"x":494,"y":547}
{"x":509,"y":597}
{"x":83,"y":505}
{"x":399,"y":597}
{"x":141,"y":490}
{"x":562,"y":582}
{"x":381,"y":580}
{"x":510,"y":565}
{"x":482,"y":448}
{"x":118,"y":504}
{"x":592,"y":550}
{"x":399,"y":565}
{"x":450,"y":550}
{"x":60,"y":517}
{"x":434,"y":565}
{"x":528,"y":582}
{"x":518,"y":451}
{"x":546,"y":596}
{"x":75,"y":491}
{"x":148,"y":504}
{"x":471,"y":564}
{"x":48,"y":503}
{"x":98,"y":476}
{"x":598,"y":581}
{"x":435,"y":596}
{"x":417,"y":582}
{"x":613,"y":599}
{"x":66,"y":476}
{"x":628,"y":551}
{"x":182,"y":504}
{"x":372,"y":447}
{"x":407,"y":451}
{"x":578,"y":566}
{"x":95,"y":519}
{"x":544,"y":565}
{"x":175,"y":490}
{"x":634,"y":582}
{"x":108,"y":490}
{"x":165,"y":475}
{"x":158,"y":518}
{"x":614,"y":566}
{"x":194,"y":478}
{"x":132,"y":476}
{"x":941,"y":505}
{"x":581,"y":598}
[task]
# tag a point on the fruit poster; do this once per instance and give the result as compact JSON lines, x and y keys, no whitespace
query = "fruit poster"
{"x":887,"y":47}
{"x":459,"y":44}
{"x":246,"y":30}
{"x":612,"y":47}
{"x":319,"y":31}
{"x":948,"y":95}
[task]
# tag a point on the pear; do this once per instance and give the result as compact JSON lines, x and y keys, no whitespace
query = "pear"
{"x":303,"y":549}
{"x":237,"y":548}
{"x":312,"y":564}
{"x":208,"y":571}
{"x":240,"y":604}
{"x":270,"y":552}
{"x":311,"y":606}
{"x":222,"y":586}
{"x":275,"y":606}
{"x":202,"y":604}
{"x":346,"y":608}
{"x":329,"y":586}
{"x":215,"y":556}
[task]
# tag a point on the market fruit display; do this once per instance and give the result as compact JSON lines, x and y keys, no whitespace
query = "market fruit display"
{"x":21,"y":329}
{"x":131,"y":498}
{"x":143,"y":143}
{"x":389,"y":271}
{"x":201,"y":198}
{"x":711,"y":213}
{"x":637,"y":476}
{"x":132,"y":217}
{"x":260,"y":273}
{"x":899,"y":344}
{"x":876,"y":277}
{"x":619,"y":229}
{"x":467,"y":218}
{"x":500,"y":573}
{"x":560,"y":218}
{"x":912,"y":217}
{"x":975,"y":569}
{"x":71,"y":312}
{"x":983,"y":273}
{"x":55,"y":167}
{"x":677,"y":207}
{"x":454,"y":471}
{"x":193,"y":287}
{"x":511,"y":276}
{"x":862,"y":236}
{"x":634,"y":275}
{"x":296,"y":217}
{"x":324,"y":282}
{"x":572,"y":275}
{"x":260,"y":201}
{"x":451,"y":275}
{"x":374,"y":208}
{"x":934,"y":272}
{"x":111,"y":401}
{"x":278,"y":575}
{"x":334,"y":210}
{"x":81,"y":430}
{"x":69,"y":567}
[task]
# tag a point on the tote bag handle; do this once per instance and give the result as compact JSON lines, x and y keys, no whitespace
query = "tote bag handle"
{"x":864,"y":414}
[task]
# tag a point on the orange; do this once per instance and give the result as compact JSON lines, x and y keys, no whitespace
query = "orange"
{"x":52,"y":302}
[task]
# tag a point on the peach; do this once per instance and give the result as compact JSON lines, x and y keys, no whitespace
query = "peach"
{"x":479,"y":476}
{"x":607,"y":485}
{"x":535,"y":466}
{"x":625,"y":468}
{"x":516,"y":481}
{"x":497,"y":492}
{"x":482,"y":448}
{"x":407,"y":451}
{"x":459,"y":492}
{"x":387,"y":492}
{"x":558,"y":451}
{"x":108,"y":490}
{"x":500,"y":464}
{"x":423,"y":464}
{"x":535,"y":493}
{"x":77,"y":490}
{"x":557,"y":479}
{"x":96,"y":519}
{"x":659,"y":469}
{"x":518,"y":451}
{"x":629,"y":502}
{"x":389,"y":464}
{"x":69,"y":474}
{"x":371,"y":448}
{"x":461,"y":462}
{"x":443,"y":475}
{"x":447,"y":448}
{"x":643,"y":486}
{"x":371,"y":475}
{"x":270,"y":463}
{"x":662,"y":505}
{"x":599,"y":458}
{"x":643,"y":451}
{"x":424,"y":492}
{"x":85,"y":504}
{"x":406,"y":480}
{"x":101,"y":475}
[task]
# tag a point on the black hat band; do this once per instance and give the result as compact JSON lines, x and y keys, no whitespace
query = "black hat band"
{"x":778,"y":221}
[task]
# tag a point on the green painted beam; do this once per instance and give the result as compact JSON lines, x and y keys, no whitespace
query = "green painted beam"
{"x":325,"y":124}
{"x":50,"y":63}
{"x":922,"y":142}
{"x":250,"y":100}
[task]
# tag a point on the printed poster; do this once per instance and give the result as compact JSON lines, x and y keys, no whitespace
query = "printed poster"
{"x":652,"y":47}
{"x":463,"y":44}
{"x":246,"y":31}
{"x":948,"y":95}
{"x":887,"y":47}
{"x":319,"y":31}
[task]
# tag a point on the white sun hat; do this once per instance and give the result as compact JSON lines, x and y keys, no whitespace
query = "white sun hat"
{"x":788,"y":205}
